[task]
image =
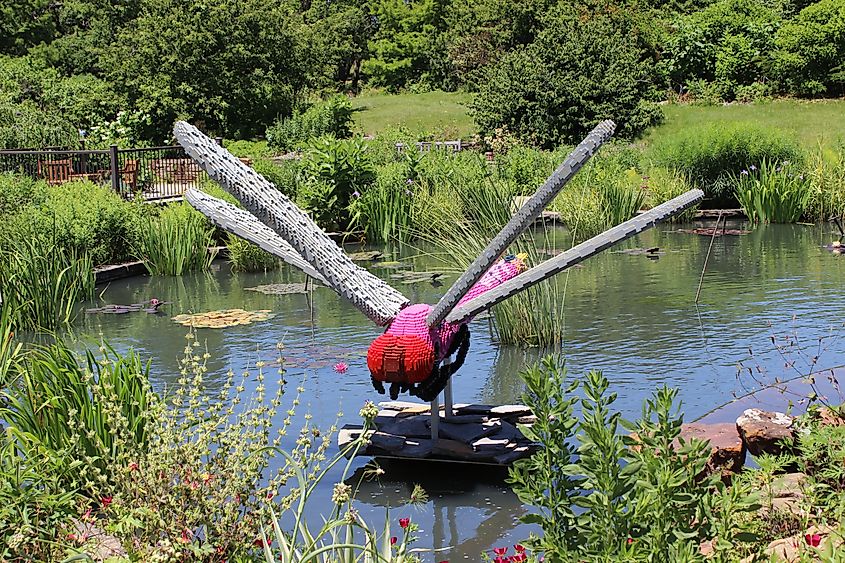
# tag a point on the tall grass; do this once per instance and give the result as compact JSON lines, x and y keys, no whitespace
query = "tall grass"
{"x":384,"y":212}
{"x":532,"y":317}
{"x":774,"y":193}
{"x":247,"y":257}
{"x":176,"y":242}
{"x":41,"y":283}
{"x":80,"y":409}
{"x":826,"y":171}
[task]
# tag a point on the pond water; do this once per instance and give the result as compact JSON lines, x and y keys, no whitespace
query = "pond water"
{"x":632,"y":317}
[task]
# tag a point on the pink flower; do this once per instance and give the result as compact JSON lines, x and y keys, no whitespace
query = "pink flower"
{"x":393,"y":540}
{"x":519,"y":557}
{"x":133,"y":466}
{"x":519,"y":548}
{"x":106,"y":501}
{"x":500,"y":551}
{"x":630,"y":541}
{"x":341,"y":367}
{"x":813,"y":540}
{"x":404,"y":522}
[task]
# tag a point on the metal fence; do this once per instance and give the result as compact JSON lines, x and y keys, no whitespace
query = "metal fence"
{"x":153,"y":173}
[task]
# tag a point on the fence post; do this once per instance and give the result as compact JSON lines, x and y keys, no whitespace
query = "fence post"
{"x":115,"y":174}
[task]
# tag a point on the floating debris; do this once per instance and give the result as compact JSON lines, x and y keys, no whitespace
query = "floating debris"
{"x":417,"y":277}
{"x":651,"y":253}
{"x":708,"y":232}
{"x":835,"y":247}
{"x":392,"y":265}
{"x":150,"y":307}
{"x":223,"y":318}
{"x":280,"y":288}
{"x":366,"y":256}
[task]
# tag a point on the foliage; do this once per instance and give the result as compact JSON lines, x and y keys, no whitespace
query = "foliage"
{"x":384,"y":211}
{"x":26,"y":126}
{"x":333,"y":172}
{"x":247,"y":257}
{"x":34,"y":501}
{"x":774,"y":193}
{"x":546,"y":96}
{"x":709,"y":154}
{"x":826,"y":171}
{"x":722,"y":47}
{"x":80,"y":415}
{"x":602,"y":496}
{"x":810,"y":50}
{"x":18,"y":191}
{"x":82,"y":217}
{"x":199,"y":492}
{"x":176,"y":242}
{"x":661,"y":185}
{"x":42,"y":283}
{"x":330,"y":117}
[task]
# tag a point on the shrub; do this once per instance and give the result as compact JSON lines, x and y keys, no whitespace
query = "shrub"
{"x":25,"y":126}
{"x":333,"y":172}
{"x":284,"y":176}
{"x":774,"y":193}
{"x":384,"y":211}
{"x":176,"y":242}
{"x":18,"y":191}
{"x":826,"y":171}
{"x":707,"y":155}
{"x":661,"y":185}
{"x":637,"y":498}
{"x":331,"y":117}
{"x":83,"y":217}
{"x":42,"y":283}
{"x":810,"y":51}
{"x":582,"y":69}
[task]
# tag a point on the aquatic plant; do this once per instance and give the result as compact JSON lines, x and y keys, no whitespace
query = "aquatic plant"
{"x":82,"y":411}
{"x":223,"y":318}
{"x":42,"y":283}
{"x":646,"y":496}
{"x":178,"y":241}
{"x":244,"y":256}
{"x":384,"y":211}
{"x":826,"y":172}
{"x":774,"y":193}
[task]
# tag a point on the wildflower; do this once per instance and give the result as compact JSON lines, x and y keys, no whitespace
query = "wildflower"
{"x":518,"y":557}
{"x":630,"y":541}
{"x":106,"y":501}
{"x":260,"y":543}
{"x":409,"y":181}
{"x":341,"y":493}
{"x":356,"y":194}
{"x":404,"y":523}
{"x":186,"y":536}
{"x":813,"y":540}
{"x":744,"y":172}
{"x":500,"y":551}
{"x":393,"y":540}
{"x":369,"y":411}
{"x":341,"y":367}
{"x":752,"y":167}
{"x":133,"y":466}
{"x":519,"y":548}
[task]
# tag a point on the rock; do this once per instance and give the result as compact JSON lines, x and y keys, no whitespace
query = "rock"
{"x":467,"y":433}
{"x":408,"y":427}
{"x":401,"y":405}
{"x":727,"y":450}
{"x":764,"y":432}
{"x":492,"y":444}
{"x":510,"y":410}
{"x":387,"y":442}
{"x":787,"y":492}
{"x":512,"y":455}
{"x":790,"y":550}
{"x":99,"y":546}
{"x":828,"y":417}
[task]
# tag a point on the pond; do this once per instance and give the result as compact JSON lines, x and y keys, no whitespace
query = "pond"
{"x":628,"y":315}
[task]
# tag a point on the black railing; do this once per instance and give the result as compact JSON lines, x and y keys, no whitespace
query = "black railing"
{"x":149,"y":173}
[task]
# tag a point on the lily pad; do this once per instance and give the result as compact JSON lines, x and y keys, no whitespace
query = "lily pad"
{"x":392,"y":265}
{"x":223,"y":318}
{"x":280,"y":288}
{"x":366,"y":256}
{"x":416,"y":277}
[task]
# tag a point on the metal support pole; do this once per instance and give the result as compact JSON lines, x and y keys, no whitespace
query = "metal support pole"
{"x":435,"y":418}
{"x":447,"y":394}
{"x":115,"y":172}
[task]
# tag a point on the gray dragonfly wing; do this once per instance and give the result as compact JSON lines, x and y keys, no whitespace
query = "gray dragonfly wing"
{"x":521,"y":220}
{"x":244,"y":224}
{"x":371,"y":295}
{"x":574,"y":255}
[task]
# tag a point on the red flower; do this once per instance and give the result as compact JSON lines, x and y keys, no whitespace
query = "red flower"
{"x":813,"y":539}
{"x":501,"y":560}
{"x":519,"y":548}
{"x":133,"y":466}
{"x":500,"y":551}
{"x":260,"y":543}
{"x":404,"y":522}
{"x":105,"y":501}
{"x":518,"y":557}
{"x":393,"y":540}
{"x":630,"y":541}
{"x":186,"y":536}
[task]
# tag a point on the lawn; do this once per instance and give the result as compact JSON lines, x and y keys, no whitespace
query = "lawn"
{"x":441,"y":113}
{"x":810,"y":121}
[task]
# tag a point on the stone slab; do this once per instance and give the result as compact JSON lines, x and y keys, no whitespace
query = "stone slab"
{"x":727,"y":453}
{"x":765,"y":431}
{"x":409,"y":427}
{"x":467,"y":433}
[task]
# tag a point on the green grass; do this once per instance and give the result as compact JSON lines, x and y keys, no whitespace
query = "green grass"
{"x":444,"y":113}
{"x":810,"y":121}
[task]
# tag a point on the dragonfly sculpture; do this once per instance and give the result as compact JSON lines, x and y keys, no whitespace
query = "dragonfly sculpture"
{"x":414,"y":352}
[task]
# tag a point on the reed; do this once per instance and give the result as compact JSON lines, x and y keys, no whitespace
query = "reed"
{"x":774,"y":193}
{"x":384,"y":212}
{"x":176,"y":242}
{"x":533,"y":317}
{"x":826,"y":172}
{"x":247,"y":257}
{"x":41,"y":283}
